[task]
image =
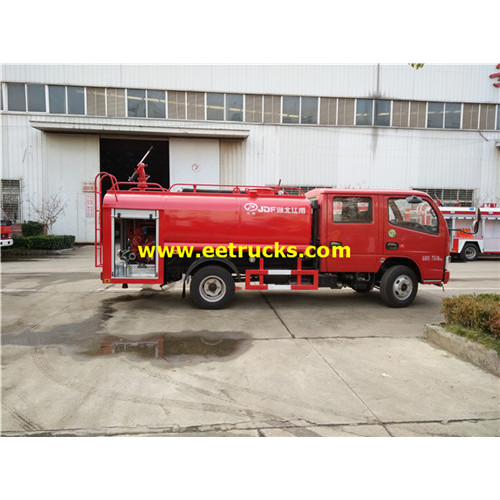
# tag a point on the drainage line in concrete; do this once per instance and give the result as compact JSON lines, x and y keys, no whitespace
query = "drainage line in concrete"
{"x":278,"y":316}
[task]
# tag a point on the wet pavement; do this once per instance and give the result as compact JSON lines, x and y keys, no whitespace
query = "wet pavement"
{"x":83,"y":358}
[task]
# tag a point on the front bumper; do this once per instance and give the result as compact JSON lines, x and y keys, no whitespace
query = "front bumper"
{"x":6,"y":243}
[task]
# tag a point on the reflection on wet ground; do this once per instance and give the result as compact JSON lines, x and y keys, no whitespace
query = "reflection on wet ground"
{"x":168,"y":346}
{"x":91,"y":336}
{"x":172,"y":347}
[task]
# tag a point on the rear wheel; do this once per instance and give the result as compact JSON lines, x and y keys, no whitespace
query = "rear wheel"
{"x":469,"y":252}
{"x":398,"y":286}
{"x":212,"y":287}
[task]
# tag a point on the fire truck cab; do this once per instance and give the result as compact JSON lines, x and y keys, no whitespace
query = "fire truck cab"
{"x":397,"y":239}
{"x":383,"y":229}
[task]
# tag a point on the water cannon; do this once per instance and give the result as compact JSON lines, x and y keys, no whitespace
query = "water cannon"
{"x":140,"y":171}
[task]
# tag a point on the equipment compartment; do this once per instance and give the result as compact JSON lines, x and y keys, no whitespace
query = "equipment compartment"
{"x":133,"y":229}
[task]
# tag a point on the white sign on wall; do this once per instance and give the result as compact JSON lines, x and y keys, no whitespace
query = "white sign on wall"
{"x":90,"y":205}
{"x":194,"y":161}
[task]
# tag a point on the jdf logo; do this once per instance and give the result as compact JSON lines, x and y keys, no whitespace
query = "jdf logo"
{"x":251,"y":207}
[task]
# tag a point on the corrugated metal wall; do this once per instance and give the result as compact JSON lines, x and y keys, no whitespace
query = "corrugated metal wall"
{"x":232,"y":162}
{"x":461,"y":83}
{"x":70,"y":161}
{"x":369,"y":158}
{"x":23,"y":158}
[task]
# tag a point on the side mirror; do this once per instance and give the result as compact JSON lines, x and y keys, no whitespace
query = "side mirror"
{"x":477,"y":220}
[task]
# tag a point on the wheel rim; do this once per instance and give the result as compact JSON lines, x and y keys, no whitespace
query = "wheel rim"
{"x":212,"y":288}
{"x":470,"y":252}
{"x":403,"y":287}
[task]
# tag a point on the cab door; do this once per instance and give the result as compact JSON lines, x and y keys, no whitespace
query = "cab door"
{"x":353,"y":222}
{"x":412,"y":229}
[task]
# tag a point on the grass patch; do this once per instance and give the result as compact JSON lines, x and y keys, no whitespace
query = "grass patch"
{"x":476,"y":317}
{"x":478,"y":336}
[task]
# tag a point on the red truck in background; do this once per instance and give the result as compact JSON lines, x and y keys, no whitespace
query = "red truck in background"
{"x":397,"y":239}
{"x":6,"y":239}
{"x":466,"y":243}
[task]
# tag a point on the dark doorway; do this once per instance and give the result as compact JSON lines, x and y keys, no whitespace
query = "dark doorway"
{"x":120,"y":157}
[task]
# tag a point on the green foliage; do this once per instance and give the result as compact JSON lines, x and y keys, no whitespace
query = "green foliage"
{"x":19,"y":242}
{"x":485,"y":339}
{"x":31,"y":228}
{"x":416,"y":65}
{"x":475,"y":312}
{"x":43,"y":242}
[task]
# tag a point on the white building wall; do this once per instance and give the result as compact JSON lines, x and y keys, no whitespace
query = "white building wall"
{"x":438,"y":82}
{"x":370,"y":157}
{"x":233,"y":161}
{"x":296,"y":155}
{"x":72,"y":161}
{"x":194,"y":161}
{"x":22,"y":158}
{"x":48,"y":164}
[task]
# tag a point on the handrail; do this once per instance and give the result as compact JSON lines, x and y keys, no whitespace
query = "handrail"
{"x":150,"y":186}
{"x":153,"y":187}
{"x":98,"y":214}
{"x":100,"y":177}
{"x":236,"y":188}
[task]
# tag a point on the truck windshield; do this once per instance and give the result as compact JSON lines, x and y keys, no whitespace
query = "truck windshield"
{"x":416,"y":216}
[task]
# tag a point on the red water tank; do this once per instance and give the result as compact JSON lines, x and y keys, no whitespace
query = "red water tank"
{"x":255,"y":218}
{"x":258,"y":217}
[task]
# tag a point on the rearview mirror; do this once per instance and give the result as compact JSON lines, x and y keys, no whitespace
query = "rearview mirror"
{"x":477,"y":220}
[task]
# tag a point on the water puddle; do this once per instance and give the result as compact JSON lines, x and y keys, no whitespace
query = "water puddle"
{"x":91,"y":337}
{"x":171,"y":346}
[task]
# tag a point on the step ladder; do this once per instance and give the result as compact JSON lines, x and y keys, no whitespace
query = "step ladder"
{"x":98,"y":213}
{"x":298,"y":273}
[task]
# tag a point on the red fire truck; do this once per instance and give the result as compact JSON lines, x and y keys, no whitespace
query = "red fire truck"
{"x":6,"y":239}
{"x":397,"y":239}
{"x":464,"y":242}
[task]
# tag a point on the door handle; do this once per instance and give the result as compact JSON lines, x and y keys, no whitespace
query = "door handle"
{"x":391,"y":245}
{"x":336,"y":244}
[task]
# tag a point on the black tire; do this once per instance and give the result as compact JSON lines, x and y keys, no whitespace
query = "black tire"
{"x":469,"y":252}
{"x":398,"y":286}
{"x":212,"y":287}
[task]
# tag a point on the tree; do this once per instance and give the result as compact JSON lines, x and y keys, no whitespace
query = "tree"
{"x":49,"y":209}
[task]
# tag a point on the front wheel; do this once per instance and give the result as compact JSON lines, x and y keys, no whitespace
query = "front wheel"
{"x":398,"y":286}
{"x":469,"y":252}
{"x":212,"y":287}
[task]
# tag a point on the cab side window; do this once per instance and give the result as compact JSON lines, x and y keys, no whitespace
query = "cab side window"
{"x":416,"y":216}
{"x":352,"y":209}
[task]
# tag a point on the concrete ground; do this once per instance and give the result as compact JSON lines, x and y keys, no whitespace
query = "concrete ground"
{"x":83,"y":358}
